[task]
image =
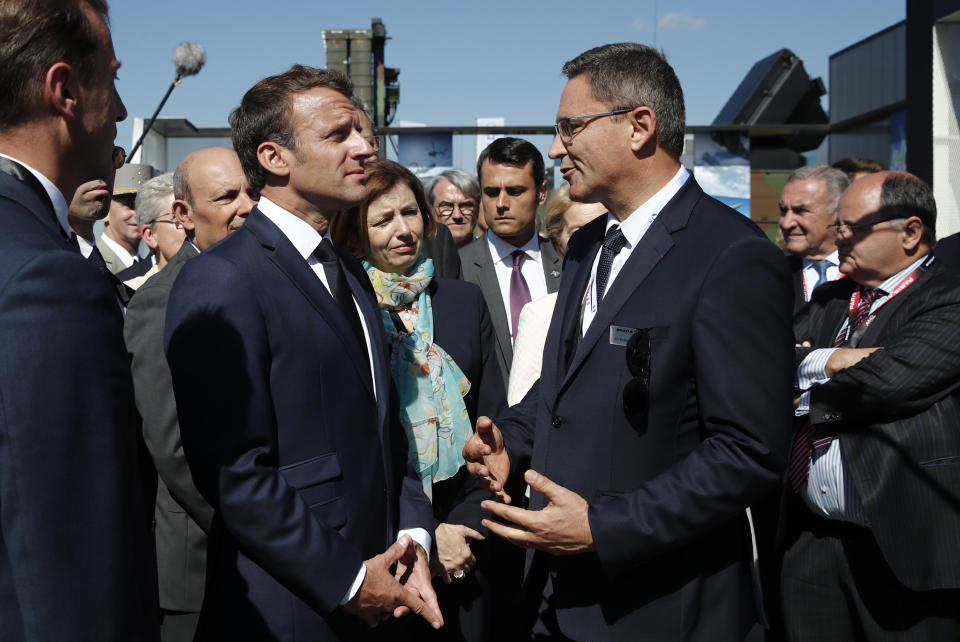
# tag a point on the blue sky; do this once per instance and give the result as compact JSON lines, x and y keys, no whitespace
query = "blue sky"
{"x":460,"y":61}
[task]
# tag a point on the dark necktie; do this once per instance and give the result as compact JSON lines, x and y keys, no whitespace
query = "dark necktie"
{"x":119,"y":288}
{"x":821,"y":267}
{"x":613,"y":242}
{"x":519,"y":292}
{"x":339,"y":289}
{"x":809,"y":439}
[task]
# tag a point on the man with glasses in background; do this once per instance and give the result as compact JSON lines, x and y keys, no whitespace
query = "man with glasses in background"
{"x":644,"y":452}
{"x":872,"y":510}
{"x":158,"y":228}
{"x":454,"y":196}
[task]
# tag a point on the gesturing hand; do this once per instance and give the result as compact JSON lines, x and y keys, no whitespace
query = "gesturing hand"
{"x":381,"y":595}
{"x":561,"y":527}
{"x":487,"y":458}
{"x":413,"y":573}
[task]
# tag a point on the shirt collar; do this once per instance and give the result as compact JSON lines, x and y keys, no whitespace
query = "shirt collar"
{"x":635,"y":225}
{"x":504,"y":250}
{"x":86,"y":248}
{"x":56,"y":196}
{"x":118,"y":249}
{"x":891,"y":284}
{"x":834,"y":260}
{"x":304,"y":238}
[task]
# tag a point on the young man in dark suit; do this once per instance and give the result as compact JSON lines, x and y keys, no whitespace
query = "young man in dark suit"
{"x":662,"y":411}
{"x":511,"y":263}
{"x":872,"y":511}
{"x":212,"y":199}
{"x":283,"y":392}
{"x":76,"y":551}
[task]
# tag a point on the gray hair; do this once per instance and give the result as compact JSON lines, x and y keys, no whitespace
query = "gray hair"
{"x":625,"y":75}
{"x":834,"y":179}
{"x":463,"y":181}
{"x":150,"y":199}
{"x":361,"y":105}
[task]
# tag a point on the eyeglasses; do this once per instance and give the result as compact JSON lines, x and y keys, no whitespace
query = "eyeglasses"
{"x":566,"y":132}
{"x":176,"y":224}
{"x":636,"y":394}
{"x":445,"y":208}
{"x":846,"y":230}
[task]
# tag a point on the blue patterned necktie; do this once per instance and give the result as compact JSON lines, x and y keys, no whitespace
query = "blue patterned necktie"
{"x":821,"y":267}
{"x":613,"y":242}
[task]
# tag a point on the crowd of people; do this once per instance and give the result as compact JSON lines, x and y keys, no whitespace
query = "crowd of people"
{"x":333,"y":403}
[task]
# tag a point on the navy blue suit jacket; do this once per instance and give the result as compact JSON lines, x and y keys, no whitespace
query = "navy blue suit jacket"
{"x":76,"y":551}
{"x":305,"y":467}
{"x":666,"y":498}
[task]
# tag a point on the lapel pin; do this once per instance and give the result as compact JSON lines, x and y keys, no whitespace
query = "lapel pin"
{"x":555,"y":273}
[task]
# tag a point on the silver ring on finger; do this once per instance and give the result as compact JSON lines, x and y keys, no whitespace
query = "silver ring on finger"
{"x":459,"y":574}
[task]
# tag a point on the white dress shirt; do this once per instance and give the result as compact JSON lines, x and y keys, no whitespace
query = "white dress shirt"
{"x":56,"y":197}
{"x":86,"y":247}
{"x":305,"y":240}
{"x":125,"y":256}
{"x":825,"y":493}
{"x":810,"y":276}
{"x":633,"y":228}
{"x":532,"y":268}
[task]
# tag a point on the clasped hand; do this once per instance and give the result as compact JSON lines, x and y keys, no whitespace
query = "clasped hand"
{"x":384,"y":593}
{"x":562,"y":527}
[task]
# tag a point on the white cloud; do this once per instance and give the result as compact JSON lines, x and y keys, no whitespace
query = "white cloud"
{"x":640,"y":25}
{"x":680,"y":21}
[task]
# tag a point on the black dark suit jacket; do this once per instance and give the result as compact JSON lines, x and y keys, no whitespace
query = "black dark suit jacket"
{"x":182,"y":516}
{"x":306,"y":468}
{"x":948,"y":252}
{"x":796,"y":275}
{"x":76,"y":552}
{"x":443,"y":251}
{"x":897,"y":414}
{"x":478,"y":268}
{"x":667,"y":496}
{"x":139,"y":268}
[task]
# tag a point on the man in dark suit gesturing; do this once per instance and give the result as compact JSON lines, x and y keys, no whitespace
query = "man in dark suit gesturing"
{"x":663,"y":406}
{"x":872,"y":518}
{"x":76,"y":553}
{"x":283,"y":392}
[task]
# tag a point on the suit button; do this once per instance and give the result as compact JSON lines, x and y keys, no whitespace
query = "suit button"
{"x":556,"y":421}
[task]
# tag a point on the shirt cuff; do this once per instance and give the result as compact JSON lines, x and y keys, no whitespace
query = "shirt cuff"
{"x":357,"y":583}
{"x":420,"y":536}
{"x":813,"y":369}
{"x":803,"y":408}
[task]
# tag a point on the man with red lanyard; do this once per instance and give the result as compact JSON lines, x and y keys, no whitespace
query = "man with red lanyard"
{"x":871,"y":532}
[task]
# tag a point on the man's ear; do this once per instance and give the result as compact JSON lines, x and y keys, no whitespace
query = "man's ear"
{"x":273,"y":158}
{"x":61,"y":90}
{"x":643,"y":121}
{"x":542,"y":193}
{"x":912,"y":233}
{"x":182,"y":212}
{"x":146,"y":233}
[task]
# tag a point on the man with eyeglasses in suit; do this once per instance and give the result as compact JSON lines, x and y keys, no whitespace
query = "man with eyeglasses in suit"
{"x":871,"y":513}
{"x":643,"y":456}
{"x":158,"y":228}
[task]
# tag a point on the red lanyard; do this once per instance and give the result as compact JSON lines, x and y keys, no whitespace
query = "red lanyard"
{"x":903,"y":285}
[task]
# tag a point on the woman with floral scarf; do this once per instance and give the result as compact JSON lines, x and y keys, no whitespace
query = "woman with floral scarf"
{"x":445,"y":374}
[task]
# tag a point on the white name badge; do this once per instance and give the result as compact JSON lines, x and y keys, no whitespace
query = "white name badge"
{"x":619,"y":335}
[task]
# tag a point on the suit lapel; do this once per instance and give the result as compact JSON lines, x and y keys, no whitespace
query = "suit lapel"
{"x":20,"y":185}
{"x":552,"y":264}
{"x":886,"y":312}
{"x":654,"y":245}
{"x":487,"y":279}
{"x":282,"y":254}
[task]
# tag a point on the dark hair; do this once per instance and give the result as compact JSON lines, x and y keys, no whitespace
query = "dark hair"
{"x":264,"y":114}
{"x":906,"y":195}
{"x":625,"y":75}
{"x":36,"y":34}
{"x":349,"y":227}
{"x":853,"y":165}
{"x":515,"y":152}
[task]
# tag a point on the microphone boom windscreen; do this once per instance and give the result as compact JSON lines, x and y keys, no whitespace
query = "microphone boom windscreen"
{"x":189,"y":58}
